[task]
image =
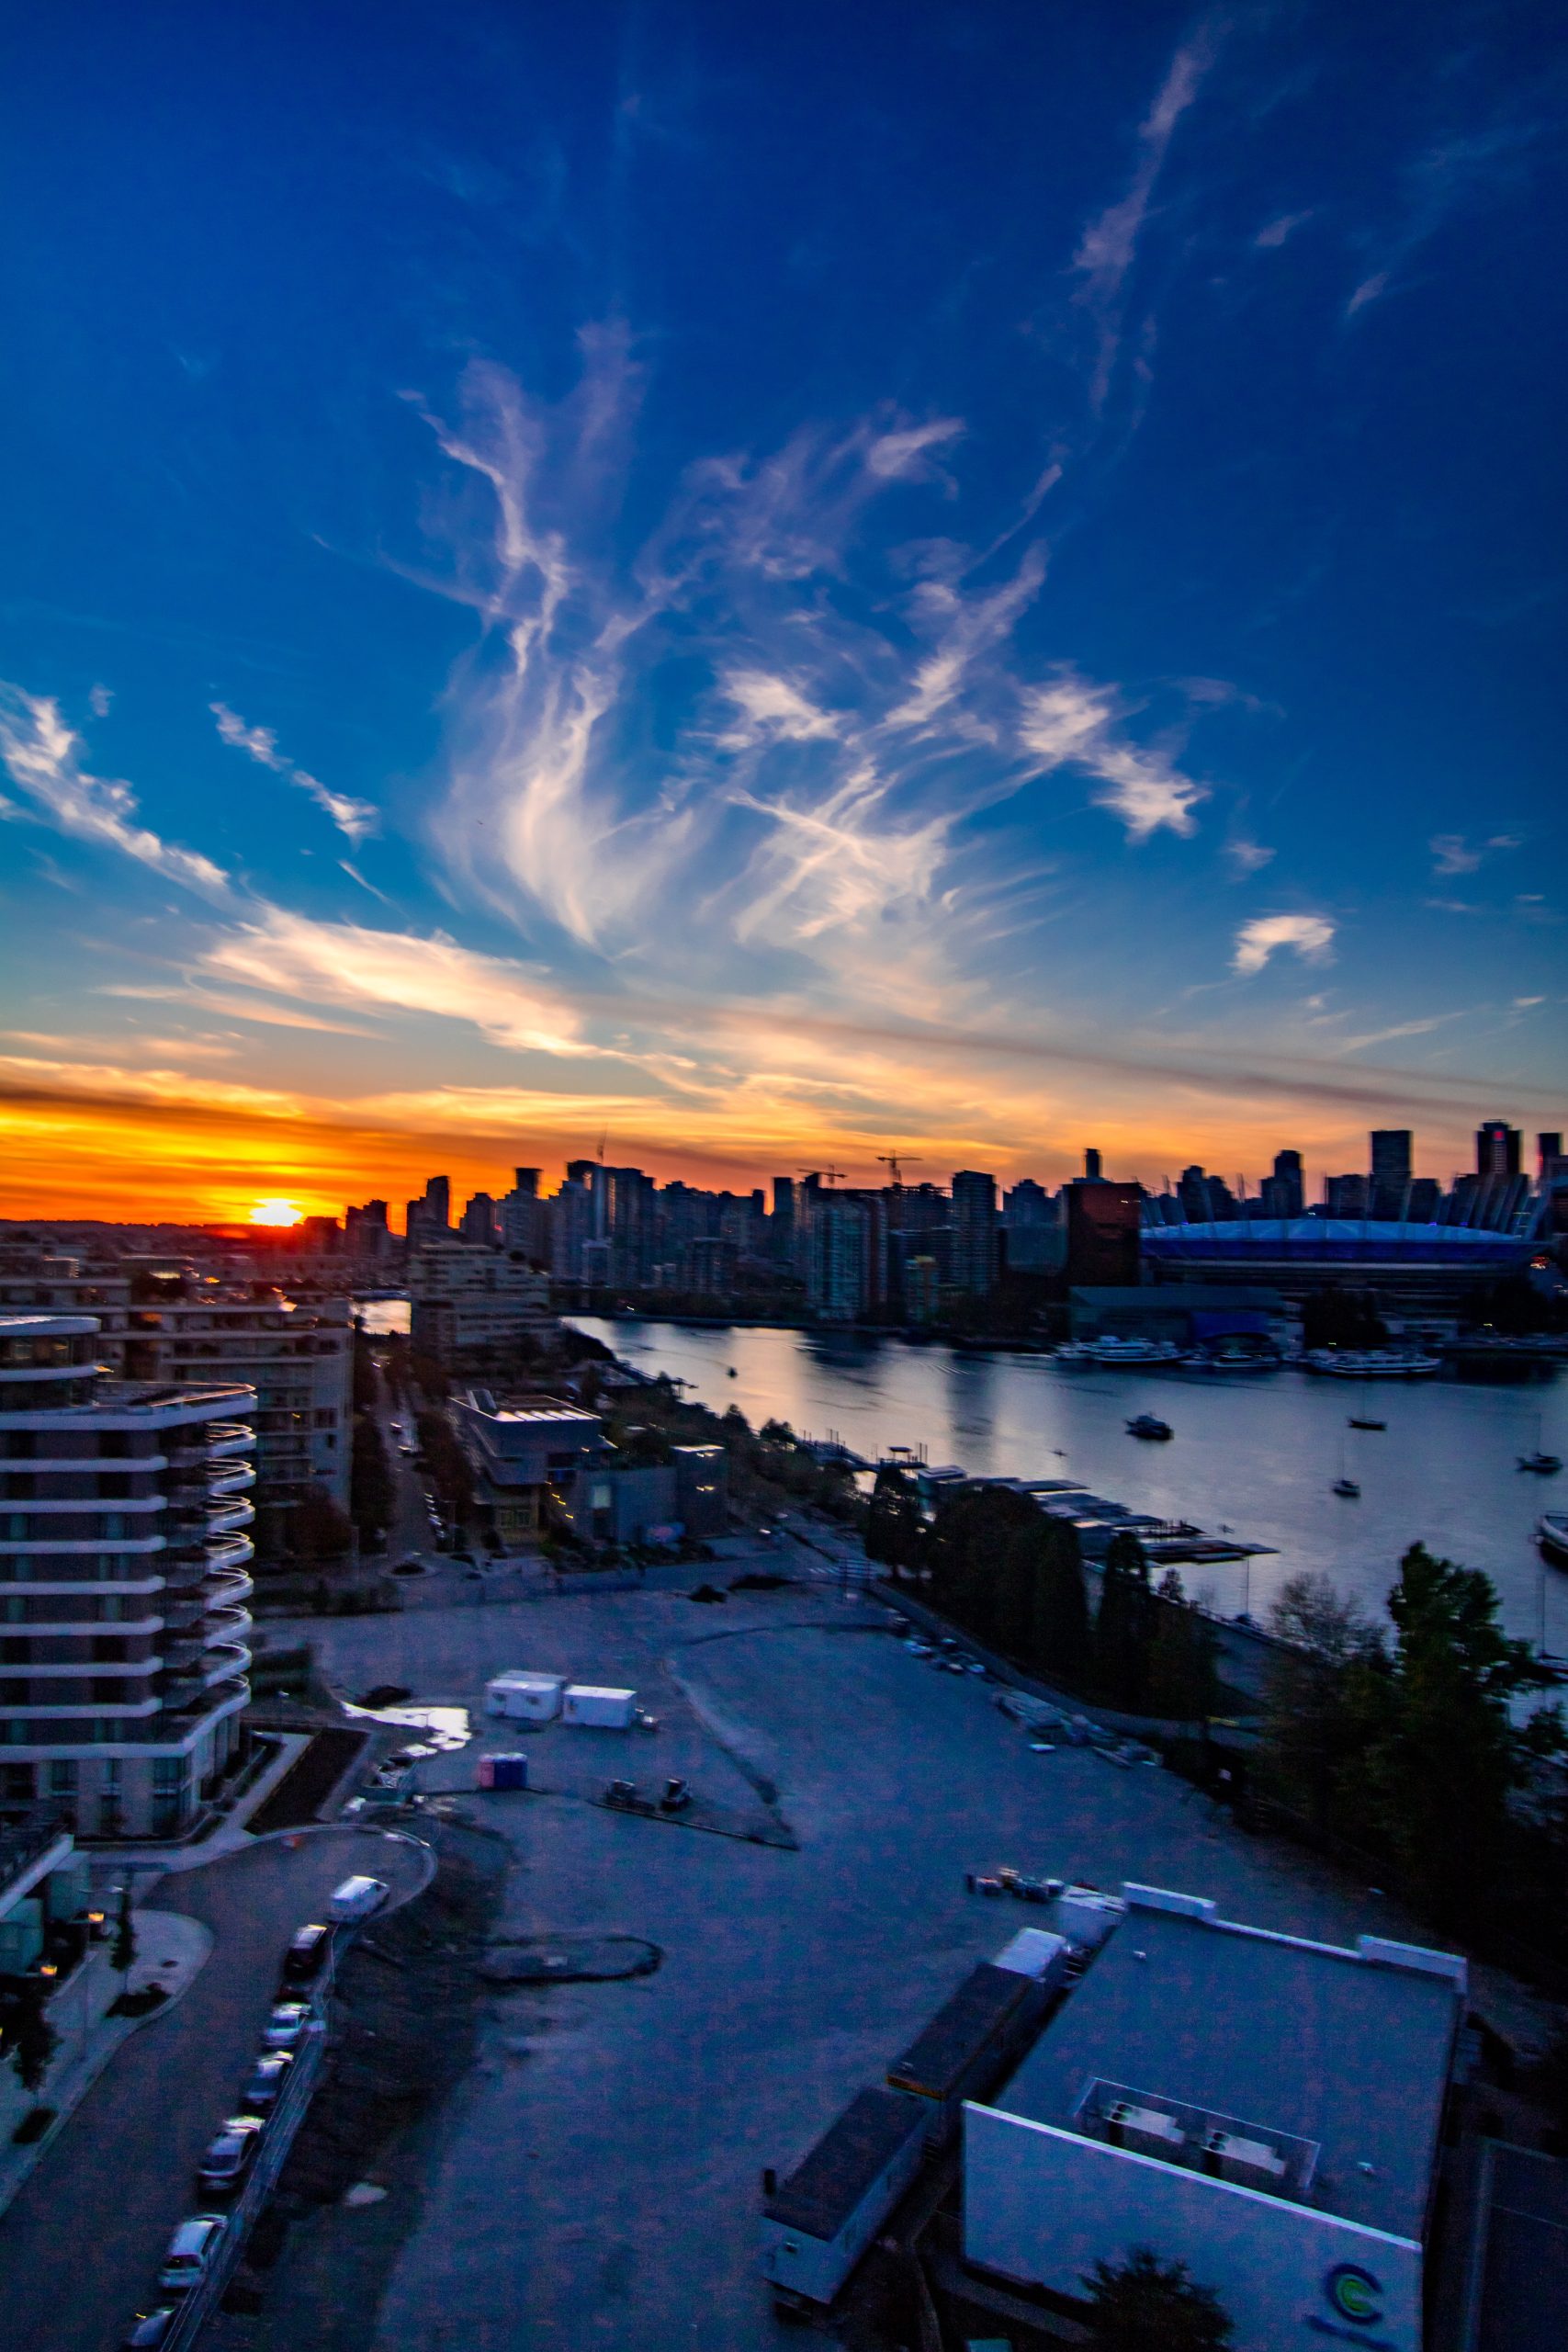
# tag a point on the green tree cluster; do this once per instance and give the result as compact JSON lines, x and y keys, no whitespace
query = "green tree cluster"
{"x":371,"y":1498}
{"x":1418,"y":1748}
{"x":1014,"y":1578}
{"x":1148,"y":2305}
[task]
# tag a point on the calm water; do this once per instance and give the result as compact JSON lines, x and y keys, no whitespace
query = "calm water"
{"x":1257,"y":1454}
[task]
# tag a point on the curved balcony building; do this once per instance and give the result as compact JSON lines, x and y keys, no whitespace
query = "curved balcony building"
{"x":124,"y":1637}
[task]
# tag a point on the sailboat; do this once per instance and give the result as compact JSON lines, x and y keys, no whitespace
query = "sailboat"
{"x":1545,"y":1465}
{"x":1343,"y":1485}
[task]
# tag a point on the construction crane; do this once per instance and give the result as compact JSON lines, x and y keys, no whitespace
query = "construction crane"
{"x":831,"y":1174}
{"x":890,"y":1160}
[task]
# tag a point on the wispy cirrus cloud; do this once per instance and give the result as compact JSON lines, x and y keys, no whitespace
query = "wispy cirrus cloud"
{"x":43,"y":757}
{"x":292,"y":956}
{"x":354,"y":818}
{"x":1275,"y":232}
{"x":1246,"y":857}
{"x":1309,"y":936}
{"x":1455,"y":854}
{"x":1109,"y":245}
{"x":1446,"y":179}
{"x":1074,"y":724}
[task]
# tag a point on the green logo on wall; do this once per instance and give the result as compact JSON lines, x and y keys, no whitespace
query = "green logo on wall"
{"x":1353,"y":2293}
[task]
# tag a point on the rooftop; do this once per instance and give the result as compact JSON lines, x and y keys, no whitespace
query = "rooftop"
{"x":1333,"y":1239}
{"x":528,"y":1409}
{"x":1349,"y":2050}
{"x":825,"y":2188}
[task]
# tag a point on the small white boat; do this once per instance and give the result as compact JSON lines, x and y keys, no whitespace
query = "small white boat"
{"x":1373,"y":1364}
{"x":1113,"y":1352}
{"x":1551,"y":1534}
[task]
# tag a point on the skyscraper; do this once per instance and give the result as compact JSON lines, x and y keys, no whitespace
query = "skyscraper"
{"x":974,"y":1223}
{"x":1284,"y":1192}
{"x":478,"y":1222}
{"x":1390,"y":1172}
{"x":432,"y":1213}
{"x":1497,"y":1148}
{"x":525,"y":1219}
{"x":840,"y":1241}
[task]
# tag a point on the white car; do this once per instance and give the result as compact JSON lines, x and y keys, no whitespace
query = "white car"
{"x":356,"y":1898}
{"x":191,"y":2252}
{"x":287,"y":2023}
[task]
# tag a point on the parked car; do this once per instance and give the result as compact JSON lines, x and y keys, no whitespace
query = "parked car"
{"x":231,"y":2153}
{"x":287,"y":2023}
{"x":265,"y":2083}
{"x":191,"y":2252}
{"x":309,"y":1950}
{"x":149,"y":2329}
{"x":357,"y":1898}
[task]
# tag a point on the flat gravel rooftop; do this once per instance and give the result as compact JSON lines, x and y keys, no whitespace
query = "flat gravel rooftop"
{"x":1314,"y":2043}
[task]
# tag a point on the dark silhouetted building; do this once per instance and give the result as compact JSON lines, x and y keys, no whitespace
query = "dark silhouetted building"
{"x":1497,"y":1148}
{"x":478,"y":1222}
{"x":974,"y":1223}
{"x":1391,"y":1172}
{"x":1103,"y":1236}
{"x":1284,"y":1192}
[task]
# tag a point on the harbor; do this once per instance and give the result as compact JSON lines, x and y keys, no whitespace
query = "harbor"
{"x":1250,"y":1466}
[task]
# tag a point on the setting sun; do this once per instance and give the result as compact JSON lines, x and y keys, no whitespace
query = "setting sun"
{"x":275,"y":1213}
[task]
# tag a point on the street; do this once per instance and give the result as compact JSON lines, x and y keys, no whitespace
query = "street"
{"x":79,"y":2246}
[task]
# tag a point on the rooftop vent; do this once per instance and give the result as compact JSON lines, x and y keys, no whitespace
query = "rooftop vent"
{"x":1171,"y":2130}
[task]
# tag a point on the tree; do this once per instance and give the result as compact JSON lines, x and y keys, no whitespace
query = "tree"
{"x":1122,"y":1625}
{"x":1449,"y":1754}
{"x":123,"y":1956}
{"x":370,"y":1494}
{"x":318,"y":1529}
{"x":33,"y":2041}
{"x":1326,"y":1698}
{"x":1148,"y":2305}
{"x":1059,"y":1645}
{"x":893,"y":1523}
{"x":1181,"y":1677}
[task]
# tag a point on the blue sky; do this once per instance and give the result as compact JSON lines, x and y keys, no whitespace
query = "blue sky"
{"x":776,"y":582}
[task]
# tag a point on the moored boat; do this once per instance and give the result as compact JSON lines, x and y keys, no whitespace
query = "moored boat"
{"x":1551,"y":1534}
{"x":1148,"y":1425}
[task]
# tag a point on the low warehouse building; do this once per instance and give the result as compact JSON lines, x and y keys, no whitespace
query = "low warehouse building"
{"x":1267,"y":2109}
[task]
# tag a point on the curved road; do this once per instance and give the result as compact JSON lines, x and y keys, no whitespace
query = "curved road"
{"x":81,"y":2243}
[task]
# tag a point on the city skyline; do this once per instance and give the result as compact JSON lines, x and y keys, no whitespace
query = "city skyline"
{"x":948,"y":594}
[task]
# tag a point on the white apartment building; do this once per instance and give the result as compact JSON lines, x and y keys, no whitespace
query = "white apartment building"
{"x":298,"y":1358}
{"x":465,"y":1295}
{"x":124,"y":1648}
{"x":296,"y":1355}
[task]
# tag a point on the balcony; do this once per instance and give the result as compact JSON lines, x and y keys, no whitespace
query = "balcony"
{"x":228,"y":1588}
{"x":225,"y":1517}
{"x":225,"y":1439}
{"x":230,"y":1551}
{"x":232,"y":1478}
{"x":228,"y":1661}
{"x":225,"y":1626}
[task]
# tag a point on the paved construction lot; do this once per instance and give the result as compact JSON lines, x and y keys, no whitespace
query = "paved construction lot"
{"x":596,"y":2179}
